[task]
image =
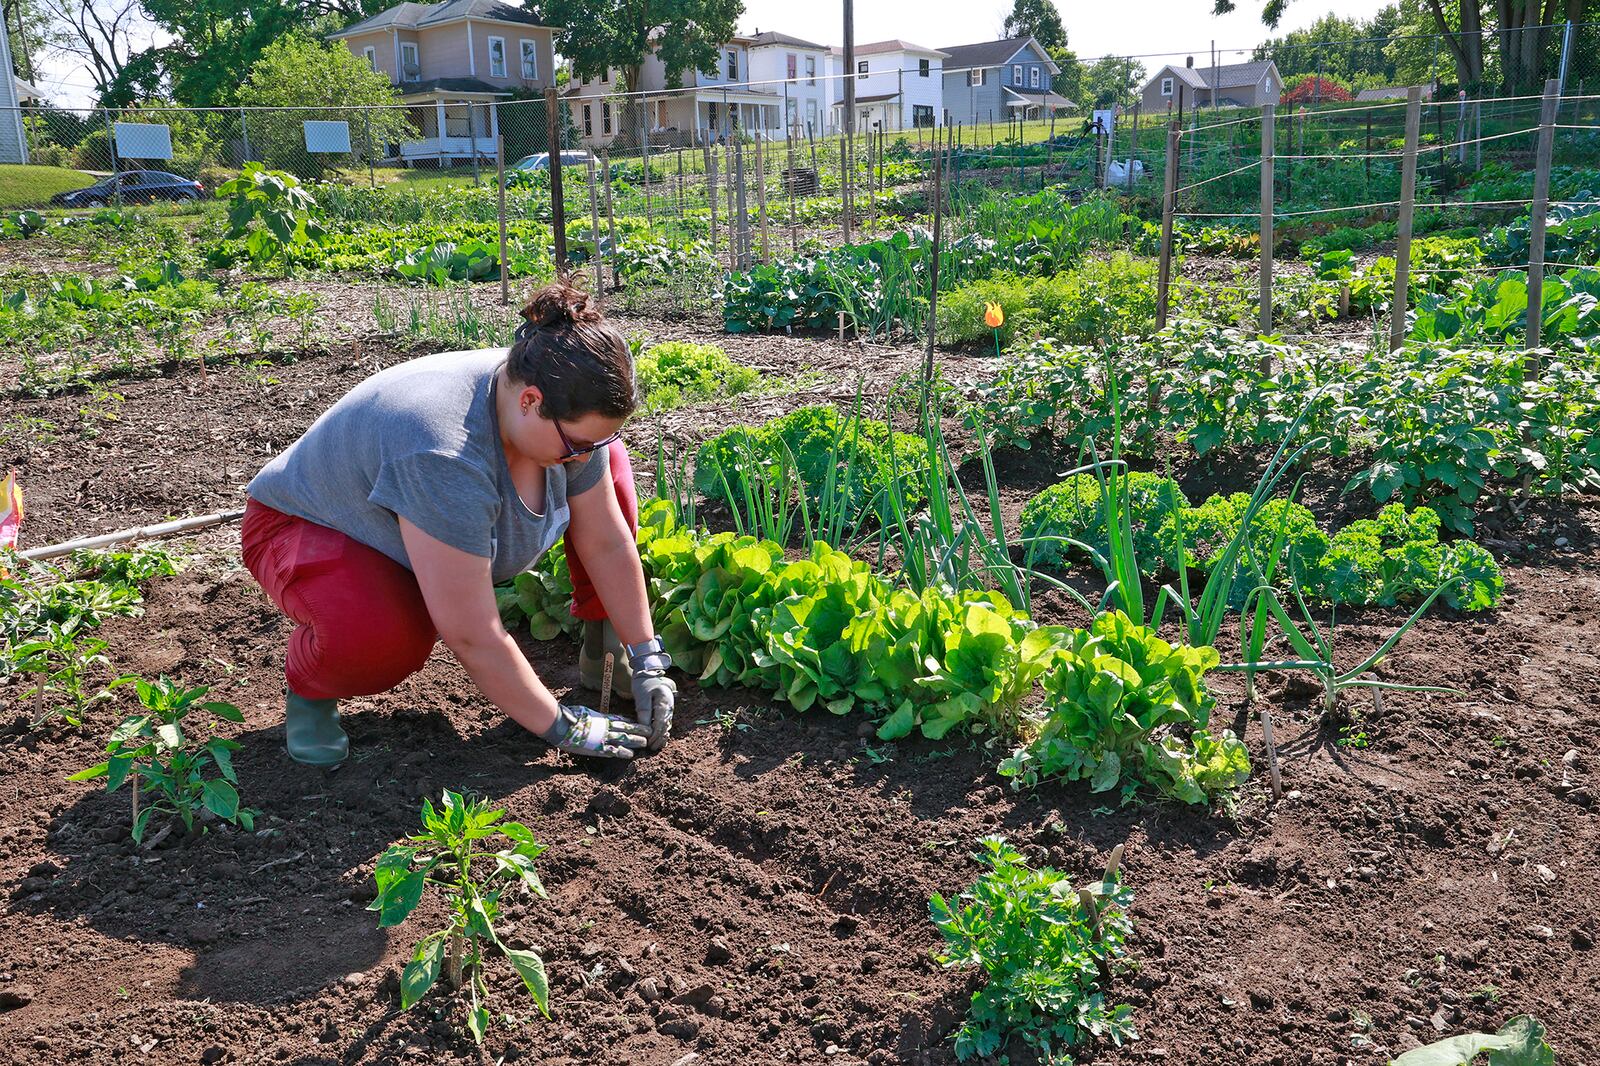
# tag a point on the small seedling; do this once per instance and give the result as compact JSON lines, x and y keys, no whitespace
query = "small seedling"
{"x":62,"y":656}
{"x":152,"y":747}
{"x":443,"y":856}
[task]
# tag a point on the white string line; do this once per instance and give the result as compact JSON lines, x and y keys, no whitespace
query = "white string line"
{"x":1218,"y":177}
{"x":1345,"y":155}
{"x":1490,"y":100}
{"x":1217,"y":125}
{"x":1569,"y":126}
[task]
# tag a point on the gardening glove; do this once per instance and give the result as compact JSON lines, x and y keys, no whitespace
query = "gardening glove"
{"x":581,"y":731}
{"x":654,"y":693}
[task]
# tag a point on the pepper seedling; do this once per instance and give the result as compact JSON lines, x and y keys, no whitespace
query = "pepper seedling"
{"x":443,"y":856}
{"x":152,"y":746}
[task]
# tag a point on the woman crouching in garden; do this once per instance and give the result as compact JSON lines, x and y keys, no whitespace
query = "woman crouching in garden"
{"x":388,"y":524}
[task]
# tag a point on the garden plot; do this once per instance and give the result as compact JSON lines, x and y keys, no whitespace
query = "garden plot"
{"x":764,"y":882}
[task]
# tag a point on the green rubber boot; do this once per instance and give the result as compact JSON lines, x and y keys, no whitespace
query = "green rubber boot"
{"x":311,"y":731}
{"x":599,"y":638}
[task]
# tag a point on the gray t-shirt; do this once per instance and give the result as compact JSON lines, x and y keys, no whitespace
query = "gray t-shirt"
{"x":422,"y":440}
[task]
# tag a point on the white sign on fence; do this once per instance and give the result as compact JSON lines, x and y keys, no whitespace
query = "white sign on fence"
{"x":327,"y":137}
{"x":1104,"y":120}
{"x":141,"y":140}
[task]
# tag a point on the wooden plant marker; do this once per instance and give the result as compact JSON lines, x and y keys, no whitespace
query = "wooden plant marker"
{"x":605,"y":683}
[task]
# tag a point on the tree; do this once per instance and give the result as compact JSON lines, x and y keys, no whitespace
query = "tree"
{"x":1113,"y":82}
{"x":300,"y":71}
{"x":1038,"y":19}
{"x":619,"y":34}
{"x":1350,"y":49}
{"x":99,"y":32}
{"x":1070,"y":81}
{"x":213,"y":44}
{"x":31,"y":33}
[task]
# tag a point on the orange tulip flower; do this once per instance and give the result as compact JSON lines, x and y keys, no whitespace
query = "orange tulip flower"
{"x":993,"y":316}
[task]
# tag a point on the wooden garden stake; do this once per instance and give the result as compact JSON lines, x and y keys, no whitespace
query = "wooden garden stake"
{"x":1538,"y":213}
{"x":452,"y":961}
{"x":500,"y":193}
{"x":1267,"y":143}
{"x":594,"y":233}
{"x":605,"y":683}
{"x":1272,"y":750}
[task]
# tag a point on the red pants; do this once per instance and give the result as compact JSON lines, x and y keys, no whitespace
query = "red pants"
{"x":361,"y":624}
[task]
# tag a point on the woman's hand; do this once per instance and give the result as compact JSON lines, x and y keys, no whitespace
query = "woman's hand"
{"x":654,"y":693}
{"x":580,"y":731}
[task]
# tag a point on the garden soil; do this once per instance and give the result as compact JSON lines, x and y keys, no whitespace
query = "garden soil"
{"x":757,"y":892}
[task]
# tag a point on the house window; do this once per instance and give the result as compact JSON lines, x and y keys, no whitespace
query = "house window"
{"x":861,"y":70}
{"x":811,"y":116}
{"x":605,"y":119}
{"x":811,"y":70}
{"x":588,"y":120}
{"x":733,"y":65}
{"x":923,"y":67}
{"x":791,"y":116}
{"x":530,"y":61}
{"x":497,"y":57}
{"x":1033,"y":77}
{"x":370,"y":54}
{"x":791,"y":64}
{"x":922,"y":116}
{"x":410,"y":61}
{"x":605,"y":76}
{"x":975,"y":77}
{"x":1166,"y":86}
{"x":1016,"y":74}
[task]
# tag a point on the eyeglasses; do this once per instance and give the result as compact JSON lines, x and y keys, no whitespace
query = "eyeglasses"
{"x":574,"y":451}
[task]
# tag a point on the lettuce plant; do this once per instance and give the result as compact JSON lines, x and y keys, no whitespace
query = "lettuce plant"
{"x":447,"y":855}
{"x":1122,"y":707}
{"x":1046,"y":952}
{"x":674,"y":373}
{"x":1520,"y":1042}
{"x":1075,"y":507}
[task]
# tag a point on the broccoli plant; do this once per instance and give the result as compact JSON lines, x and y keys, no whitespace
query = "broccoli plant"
{"x":1045,"y":949}
{"x":152,"y":748}
{"x":443,"y":855}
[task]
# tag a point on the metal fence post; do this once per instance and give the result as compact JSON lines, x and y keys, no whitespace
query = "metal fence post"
{"x":1540,"y":209}
{"x":594,"y":231}
{"x":111,"y":146}
{"x":1408,"y":197}
{"x":472,"y":132}
{"x":372,"y":172}
{"x":611,"y":221}
{"x":1267,"y":144}
{"x":1168,"y":205}
{"x":558,"y":207}
{"x":244,"y":135}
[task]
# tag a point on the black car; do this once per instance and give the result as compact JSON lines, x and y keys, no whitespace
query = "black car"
{"x":135,"y":186}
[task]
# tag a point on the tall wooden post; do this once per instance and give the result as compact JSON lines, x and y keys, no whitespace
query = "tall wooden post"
{"x":711,"y":191}
{"x":1168,"y":205}
{"x":761,"y":197}
{"x":1541,"y":207}
{"x":1408,"y":203}
{"x":794,"y":217}
{"x":500,"y":188}
{"x":594,"y":231}
{"x":1267,"y":156}
{"x":611,"y":221}
{"x":558,"y":206}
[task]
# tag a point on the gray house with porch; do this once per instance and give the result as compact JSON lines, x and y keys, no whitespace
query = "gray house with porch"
{"x":998,"y":80}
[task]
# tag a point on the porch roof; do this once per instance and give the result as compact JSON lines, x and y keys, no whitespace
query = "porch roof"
{"x":417,"y":91}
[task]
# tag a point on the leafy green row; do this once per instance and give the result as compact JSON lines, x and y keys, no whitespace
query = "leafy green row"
{"x":1433,"y":424}
{"x":1394,"y":558}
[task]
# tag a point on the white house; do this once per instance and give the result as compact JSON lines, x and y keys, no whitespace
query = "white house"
{"x":797,"y":70}
{"x":704,"y":106}
{"x":899,"y":85}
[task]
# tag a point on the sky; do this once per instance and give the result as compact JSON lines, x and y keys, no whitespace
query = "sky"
{"x":1169,"y":28}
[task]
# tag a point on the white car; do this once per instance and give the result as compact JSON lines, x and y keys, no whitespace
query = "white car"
{"x":570,"y":157}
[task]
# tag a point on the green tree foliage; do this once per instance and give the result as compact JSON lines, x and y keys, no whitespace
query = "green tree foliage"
{"x":1348,"y":49}
{"x":1038,"y":19}
{"x":213,"y":44}
{"x":301,"y":71}
{"x":619,"y":34}
{"x":1113,"y":81}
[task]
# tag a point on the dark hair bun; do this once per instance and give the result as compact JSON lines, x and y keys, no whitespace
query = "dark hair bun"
{"x":560,"y":305}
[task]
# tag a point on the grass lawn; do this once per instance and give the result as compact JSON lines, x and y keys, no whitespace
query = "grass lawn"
{"x":30,"y":186}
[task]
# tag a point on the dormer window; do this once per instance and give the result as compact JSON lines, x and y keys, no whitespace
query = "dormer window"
{"x":1166,"y":86}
